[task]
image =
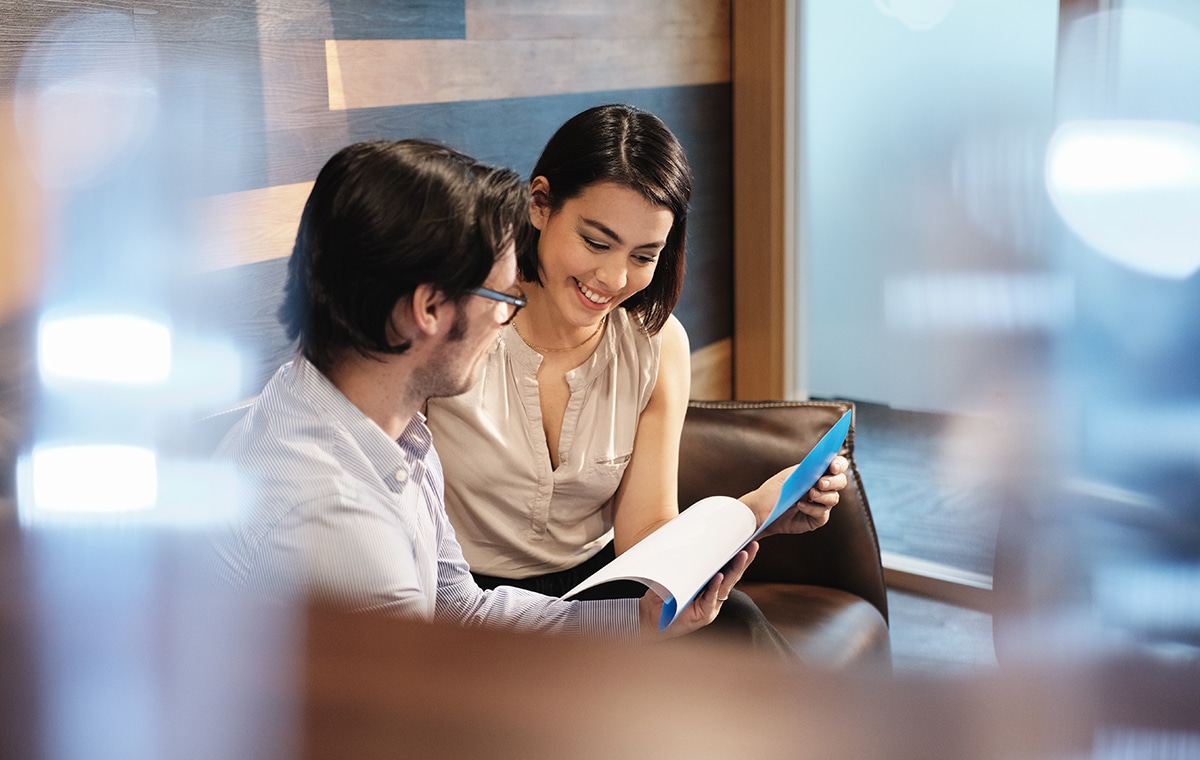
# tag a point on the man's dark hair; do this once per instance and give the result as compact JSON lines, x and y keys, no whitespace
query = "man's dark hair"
{"x":621,"y":144}
{"x":383,"y":218}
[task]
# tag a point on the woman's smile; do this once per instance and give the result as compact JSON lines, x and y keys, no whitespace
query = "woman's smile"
{"x":592,"y":296}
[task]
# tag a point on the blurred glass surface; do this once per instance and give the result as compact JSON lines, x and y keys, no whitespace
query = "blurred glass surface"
{"x":923,"y":131}
{"x":138,"y":646}
{"x":1002,"y":215}
{"x":1123,"y":171}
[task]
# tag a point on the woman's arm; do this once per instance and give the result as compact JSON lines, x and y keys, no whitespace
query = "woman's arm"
{"x":648,"y":494}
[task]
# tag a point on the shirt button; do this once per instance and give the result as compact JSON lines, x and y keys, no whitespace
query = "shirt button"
{"x":401,"y":475}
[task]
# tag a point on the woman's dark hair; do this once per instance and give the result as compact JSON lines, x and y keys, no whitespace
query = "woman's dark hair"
{"x":383,"y":218}
{"x":621,"y":144}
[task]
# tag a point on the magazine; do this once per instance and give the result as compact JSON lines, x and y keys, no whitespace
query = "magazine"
{"x":679,"y":558}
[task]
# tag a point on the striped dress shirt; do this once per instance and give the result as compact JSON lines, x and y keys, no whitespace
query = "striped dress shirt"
{"x":341,"y":514}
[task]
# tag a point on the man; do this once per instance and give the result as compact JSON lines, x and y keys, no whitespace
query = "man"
{"x":402,"y":274}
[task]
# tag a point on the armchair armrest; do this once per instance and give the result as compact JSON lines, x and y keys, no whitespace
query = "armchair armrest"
{"x":731,"y":447}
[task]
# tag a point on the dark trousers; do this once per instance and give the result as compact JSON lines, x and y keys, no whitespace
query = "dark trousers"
{"x":739,"y":621}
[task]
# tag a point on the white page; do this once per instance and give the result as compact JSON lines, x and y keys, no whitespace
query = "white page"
{"x":677,"y":560}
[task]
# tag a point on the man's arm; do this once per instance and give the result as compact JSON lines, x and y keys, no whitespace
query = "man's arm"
{"x":460,"y":600}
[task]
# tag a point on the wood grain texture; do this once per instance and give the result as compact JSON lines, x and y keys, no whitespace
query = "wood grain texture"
{"x":397,"y":19}
{"x":250,"y":226}
{"x":245,"y":20}
{"x":264,"y":124}
{"x":596,"y":19}
{"x":294,"y":82}
{"x":22,"y":232}
{"x":537,"y":48}
{"x":333,"y":75}
{"x":712,"y":371}
{"x":761,"y":201}
{"x":379,"y":73}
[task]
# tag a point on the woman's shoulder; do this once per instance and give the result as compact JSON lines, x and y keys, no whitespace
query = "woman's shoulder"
{"x":673,"y":331}
{"x":629,"y":326}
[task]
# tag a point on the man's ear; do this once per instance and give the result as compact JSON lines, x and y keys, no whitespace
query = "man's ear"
{"x":427,"y":310}
{"x":539,"y":209}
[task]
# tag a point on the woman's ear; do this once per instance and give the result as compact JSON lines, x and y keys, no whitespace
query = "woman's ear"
{"x":539,"y":207}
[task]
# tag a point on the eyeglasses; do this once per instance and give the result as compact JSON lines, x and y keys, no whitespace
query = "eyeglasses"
{"x":507,"y":305}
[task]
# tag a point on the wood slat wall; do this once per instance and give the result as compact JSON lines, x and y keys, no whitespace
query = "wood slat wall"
{"x":763,"y":195}
{"x":283,"y":84}
{"x":20,"y":235}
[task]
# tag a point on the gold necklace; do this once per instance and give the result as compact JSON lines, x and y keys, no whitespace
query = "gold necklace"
{"x":544,"y":350}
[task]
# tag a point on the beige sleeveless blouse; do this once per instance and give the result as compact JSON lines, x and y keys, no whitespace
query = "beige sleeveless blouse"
{"x":515,"y":515}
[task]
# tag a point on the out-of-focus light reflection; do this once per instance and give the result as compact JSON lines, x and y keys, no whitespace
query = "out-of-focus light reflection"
{"x":996,"y":176}
{"x":87,"y":110}
{"x":1123,"y":156}
{"x":197,"y":494}
{"x":120,"y":349}
{"x":1123,"y":168}
{"x":138,"y":648}
{"x":982,"y":302}
{"x":1122,"y":436}
{"x":1131,"y":190}
{"x":1157,"y":598}
{"x":92,"y":479}
{"x":206,"y":373}
{"x":920,"y":15}
{"x":90,"y":484}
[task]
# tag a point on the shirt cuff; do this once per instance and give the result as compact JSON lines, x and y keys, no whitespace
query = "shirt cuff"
{"x":610,"y":618}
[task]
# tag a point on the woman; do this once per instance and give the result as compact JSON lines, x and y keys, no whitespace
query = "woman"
{"x":585,"y":395}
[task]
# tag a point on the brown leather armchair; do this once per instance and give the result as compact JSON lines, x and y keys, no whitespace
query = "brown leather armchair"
{"x":823,"y":590}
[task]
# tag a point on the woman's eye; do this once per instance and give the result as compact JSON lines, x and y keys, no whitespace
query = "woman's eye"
{"x":595,"y":244}
{"x":642,"y":259}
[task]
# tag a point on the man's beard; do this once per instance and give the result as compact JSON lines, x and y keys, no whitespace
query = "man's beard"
{"x":458,"y":330}
{"x":441,"y":378}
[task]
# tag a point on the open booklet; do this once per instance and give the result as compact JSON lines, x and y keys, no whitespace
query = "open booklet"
{"x":679,"y":558}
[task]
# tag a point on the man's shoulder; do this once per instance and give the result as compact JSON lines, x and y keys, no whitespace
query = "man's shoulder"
{"x":286,"y":431}
{"x":283,"y":429}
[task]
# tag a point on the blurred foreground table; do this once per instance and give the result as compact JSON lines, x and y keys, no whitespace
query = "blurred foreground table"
{"x":154,"y":664}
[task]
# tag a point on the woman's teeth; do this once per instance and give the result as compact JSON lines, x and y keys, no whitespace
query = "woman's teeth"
{"x":591,"y":295}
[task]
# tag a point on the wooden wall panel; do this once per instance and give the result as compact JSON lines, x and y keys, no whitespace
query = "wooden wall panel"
{"x":248,"y":20}
{"x":399,"y":72}
{"x":711,"y":379}
{"x":397,"y":19}
{"x":250,"y":226}
{"x":598,"y":19}
{"x":763,"y":291}
{"x":21,"y":233}
{"x":538,"y":48}
{"x":491,"y":77}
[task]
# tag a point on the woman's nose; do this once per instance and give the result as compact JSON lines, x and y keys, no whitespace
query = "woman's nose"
{"x":612,"y":273}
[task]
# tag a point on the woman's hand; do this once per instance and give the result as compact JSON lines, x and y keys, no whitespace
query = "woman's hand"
{"x":703,"y":609}
{"x":809,"y":513}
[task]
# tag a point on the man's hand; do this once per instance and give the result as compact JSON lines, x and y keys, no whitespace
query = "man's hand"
{"x":809,"y":513}
{"x":703,"y":609}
